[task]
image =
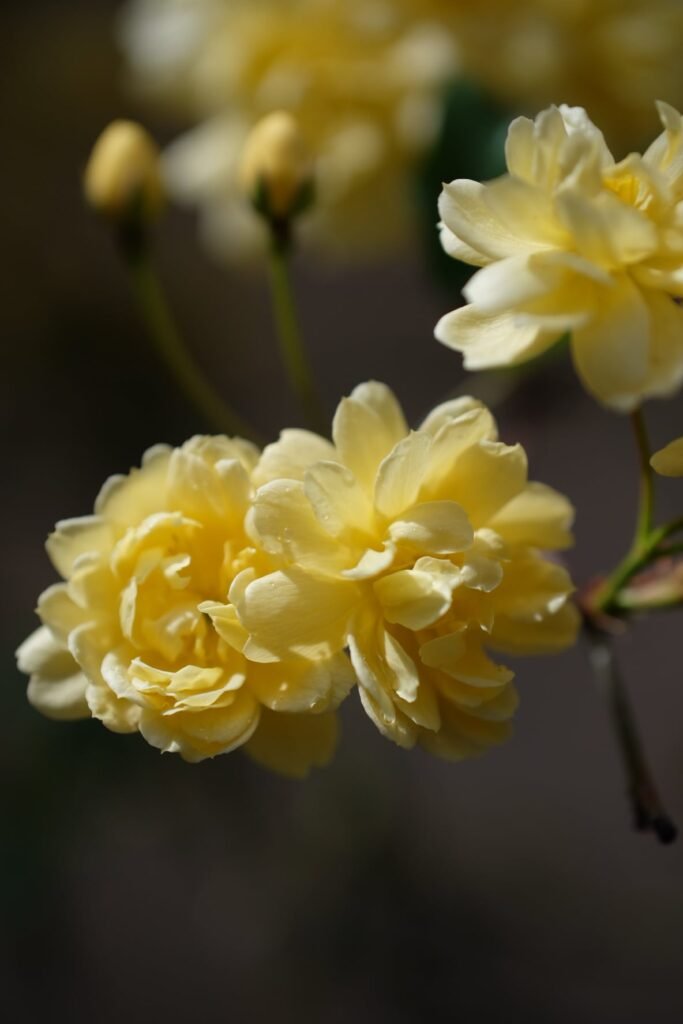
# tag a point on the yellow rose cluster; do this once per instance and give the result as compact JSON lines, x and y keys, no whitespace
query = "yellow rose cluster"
{"x":362,"y":82}
{"x":571,"y":241}
{"x":614,"y":57}
{"x":221,"y":598}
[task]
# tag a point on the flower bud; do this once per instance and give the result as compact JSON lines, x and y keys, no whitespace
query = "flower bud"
{"x":122,"y":178}
{"x":276,"y":170}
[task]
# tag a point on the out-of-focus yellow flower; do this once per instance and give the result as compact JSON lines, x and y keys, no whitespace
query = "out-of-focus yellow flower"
{"x":276,"y":166}
{"x":362,"y":83}
{"x":668,"y":461}
{"x":122,"y":177}
{"x":570,"y":241}
{"x":420,"y":551}
{"x":613,"y":57}
{"x":141,"y":636}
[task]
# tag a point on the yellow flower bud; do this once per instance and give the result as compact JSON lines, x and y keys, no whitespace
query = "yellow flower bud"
{"x":122,"y":178}
{"x":276,"y":170}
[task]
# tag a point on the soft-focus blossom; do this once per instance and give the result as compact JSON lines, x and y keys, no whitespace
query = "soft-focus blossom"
{"x":362,"y":81}
{"x":420,"y":551}
{"x":613,"y":57}
{"x":668,"y":461}
{"x":122,"y":178}
{"x":570,"y":241}
{"x":141,"y":635}
{"x":276,"y":168}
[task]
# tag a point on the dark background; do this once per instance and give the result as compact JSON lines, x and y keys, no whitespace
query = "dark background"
{"x":391,"y":886}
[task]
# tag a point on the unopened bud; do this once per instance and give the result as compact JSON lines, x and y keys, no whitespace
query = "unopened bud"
{"x":122,"y":178}
{"x":277,"y":170}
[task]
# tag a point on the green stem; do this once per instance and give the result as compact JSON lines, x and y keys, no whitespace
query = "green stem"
{"x":645,"y":539}
{"x":169,"y":344}
{"x":670,"y":550}
{"x":648,"y":812}
{"x":292,"y":348}
{"x":646,"y":505}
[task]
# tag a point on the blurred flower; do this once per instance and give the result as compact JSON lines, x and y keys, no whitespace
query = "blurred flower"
{"x":140,"y":635}
{"x":418,"y":550}
{"x":276,"y":169}
{"x":122,"y":178}
{"x":613,"y":57}
{"x":668,"y":461}
{"x":361,"y":80}
{"x":571,"y":241}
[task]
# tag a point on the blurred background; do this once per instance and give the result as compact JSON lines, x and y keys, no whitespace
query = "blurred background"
{"x":390,"y":886}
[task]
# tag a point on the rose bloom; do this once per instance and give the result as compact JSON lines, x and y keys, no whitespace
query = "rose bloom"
{"x":420,"y":551}
{"x":362,"y":82}
{"x":141,"y":636}
{"x":570,"y":241}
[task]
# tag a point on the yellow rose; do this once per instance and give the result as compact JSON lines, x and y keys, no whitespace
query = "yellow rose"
{"x":363,"y":84}
{"x":417,"y":550}
{"x":140,"y":634}
{"x":570,"y":241}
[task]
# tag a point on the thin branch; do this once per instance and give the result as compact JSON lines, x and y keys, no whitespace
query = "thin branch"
{"x":648,"y":812}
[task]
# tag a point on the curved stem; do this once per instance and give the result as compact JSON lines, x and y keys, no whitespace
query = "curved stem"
{"x":648,"y":812}
{"x":644,"y":524}
{"x":169,"y":344}
{"x":292,"y":348}
{"x":645,"y":539}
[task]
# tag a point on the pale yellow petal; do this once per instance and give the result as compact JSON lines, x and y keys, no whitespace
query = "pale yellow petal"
{"x":434,"y":528}
{"x":665,"y":355}
{"x":56,"y":686}
{"x":293,"y":744}
{"x":366,"y":427}
{"x":297,"y":685}
{"x":290,"y":456}
{"x":200,"y":735}
{"x":283,"y":521}
{"x":506,"y":284}
{"x":413,"y":598}
{"x":401,"y":670}
{"x":462,"y":735}
{"x":294,"y":612}
{"x":75,"y":537}
{"x":668,"y":461}
{"x":130,"y":499}
{"x":339,"y":502}
{"x":57,"y":610}
{"x":532,"y":588}
{"x":666,"y":152}
{"x":527,"y":212}
{"x":443,"y":652}
{"x":400,"y":475}
{"x":549,"y":635}
{"x":207,"y":490}
{"x":459,"y":250}
{"x":465,"y":410}
{"x":372,"y":562}
{"x":492,"y":340}
{"x":226,"y":623}
{"x":611,"y":352}
{"x":538,"y":516}
{"x":121,"y":716}
{"x":500,"y":472}
{"x":450,"y":442}
{"x":464,"y":211}
{"x":605,"y":230}
{"x":394,"y":725}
